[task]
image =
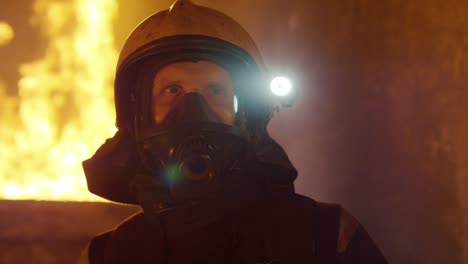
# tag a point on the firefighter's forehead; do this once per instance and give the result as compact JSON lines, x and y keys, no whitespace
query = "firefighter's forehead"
{"x":191,"y":69}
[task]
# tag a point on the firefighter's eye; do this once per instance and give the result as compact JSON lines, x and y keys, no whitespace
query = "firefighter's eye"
{"x":172,"y":89}
{"x":216,"y":89}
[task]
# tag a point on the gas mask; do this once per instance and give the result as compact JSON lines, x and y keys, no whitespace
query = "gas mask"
{"x":192,"y":158}
{"x":189,"y":158}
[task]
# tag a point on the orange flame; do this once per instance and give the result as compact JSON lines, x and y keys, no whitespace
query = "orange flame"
{"x":65,"y":106}
{"x":6,"y":33}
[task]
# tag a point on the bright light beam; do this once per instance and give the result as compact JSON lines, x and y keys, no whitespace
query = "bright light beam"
{"x":280,"y":86}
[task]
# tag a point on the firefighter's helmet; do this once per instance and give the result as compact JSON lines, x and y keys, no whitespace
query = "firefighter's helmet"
{"x":187,"y":31}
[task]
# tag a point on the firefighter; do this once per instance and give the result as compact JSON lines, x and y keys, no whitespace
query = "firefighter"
{"x":192,"y":149}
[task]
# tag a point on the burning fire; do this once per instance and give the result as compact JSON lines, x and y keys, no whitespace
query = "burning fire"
{"x":6,"y":33}
{"x":65,"y":106}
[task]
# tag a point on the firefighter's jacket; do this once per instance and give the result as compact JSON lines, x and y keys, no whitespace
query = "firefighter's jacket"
{"x":284,"y":228}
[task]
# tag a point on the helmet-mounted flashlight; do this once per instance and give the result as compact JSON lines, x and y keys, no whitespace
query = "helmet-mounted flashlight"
{"x":283,"y":91}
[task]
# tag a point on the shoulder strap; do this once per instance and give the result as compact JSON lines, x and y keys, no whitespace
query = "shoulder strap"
{"x":326,"y":225}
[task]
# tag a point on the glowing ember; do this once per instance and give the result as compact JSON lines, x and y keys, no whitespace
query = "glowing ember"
{"x":65,"y":105}
{"x":6,"y":33}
